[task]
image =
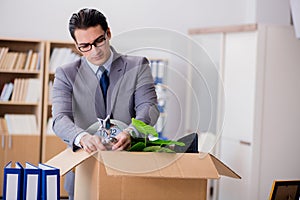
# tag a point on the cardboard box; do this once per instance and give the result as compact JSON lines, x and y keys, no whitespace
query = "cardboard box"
{"x":140,"y":175}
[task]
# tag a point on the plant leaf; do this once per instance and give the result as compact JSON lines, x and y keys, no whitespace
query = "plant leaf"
{"x":147,"y":145}
{"x":144,"y":128}
{"x":166,"y":142}
{"x":157,"y":149}
{"x":139,"y":146}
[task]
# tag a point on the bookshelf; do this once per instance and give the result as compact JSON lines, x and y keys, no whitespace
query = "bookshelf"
{"x":56,"y":54}
{"x":21,"y":67}
{"x":159,"y":73}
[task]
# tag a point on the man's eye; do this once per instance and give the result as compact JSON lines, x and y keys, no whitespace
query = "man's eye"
{"x":99,"y":40}
{"x":84,"y":45}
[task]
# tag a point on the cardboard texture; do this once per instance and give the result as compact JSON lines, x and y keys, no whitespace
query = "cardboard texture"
{"x":140,"y":175}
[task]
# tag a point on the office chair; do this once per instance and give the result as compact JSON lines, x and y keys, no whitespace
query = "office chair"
{"x":191,"y":144}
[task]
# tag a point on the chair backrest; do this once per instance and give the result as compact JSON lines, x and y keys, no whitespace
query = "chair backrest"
{"x":191,"y":144}
{"x":285,"y":190}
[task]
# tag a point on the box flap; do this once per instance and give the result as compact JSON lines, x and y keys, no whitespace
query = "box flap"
{"x":147,"y":164}
{"x":169,"y":165}
{"x":67,"y":160}
{"x":223,"y":169}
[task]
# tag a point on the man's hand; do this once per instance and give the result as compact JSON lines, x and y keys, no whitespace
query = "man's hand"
{"x":91,"y":143}
{"x":123,"y":141}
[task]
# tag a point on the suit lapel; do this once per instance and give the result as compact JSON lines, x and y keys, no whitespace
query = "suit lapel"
{"x":89,"y":79}
{"x":116,"y":74}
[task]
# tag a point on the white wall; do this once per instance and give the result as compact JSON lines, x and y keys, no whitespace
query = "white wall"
{"x":49,"y":19}
{"x":273,"y":12}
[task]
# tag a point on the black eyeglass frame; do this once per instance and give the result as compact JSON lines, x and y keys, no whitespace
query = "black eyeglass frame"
{"x":96,"y":43}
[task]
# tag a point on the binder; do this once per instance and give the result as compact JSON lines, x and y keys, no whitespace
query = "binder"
{"x":50,"y":182}
{"x":13,"y":182}
{"x":31,"y":184}
{"x":160,"y":71}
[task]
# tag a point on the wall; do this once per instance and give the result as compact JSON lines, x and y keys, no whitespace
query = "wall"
{"x":273,"y":12}
{"x":48,"y":19}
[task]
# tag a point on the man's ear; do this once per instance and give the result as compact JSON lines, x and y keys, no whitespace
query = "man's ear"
{"x":108,"y":33}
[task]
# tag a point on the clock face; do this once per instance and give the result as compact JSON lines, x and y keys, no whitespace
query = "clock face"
{"x":107,"y":129}
{"x":108,"y":136}
{"x":113,"y":131}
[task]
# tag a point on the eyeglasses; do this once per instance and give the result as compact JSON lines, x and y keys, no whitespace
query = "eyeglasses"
{"x":100,"y":41}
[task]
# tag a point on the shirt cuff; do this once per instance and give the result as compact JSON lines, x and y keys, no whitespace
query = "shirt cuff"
{"x":133,"y":132}
{"x":78,"y":138}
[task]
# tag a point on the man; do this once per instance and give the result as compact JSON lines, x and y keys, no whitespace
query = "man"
{"x":79,"y":97}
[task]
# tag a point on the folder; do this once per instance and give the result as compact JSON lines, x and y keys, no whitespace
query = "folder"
{"x":160,"y":71}
{"x":31,"y":184}
{"x":50,"y":182}
{"x":13,"y":182}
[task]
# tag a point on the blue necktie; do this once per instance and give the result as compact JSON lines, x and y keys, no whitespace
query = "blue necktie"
{"x":104,"y":83}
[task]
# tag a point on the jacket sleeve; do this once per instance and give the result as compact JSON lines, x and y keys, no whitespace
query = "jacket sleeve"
{"x":63,"y":120}
{"x":145,"y":95}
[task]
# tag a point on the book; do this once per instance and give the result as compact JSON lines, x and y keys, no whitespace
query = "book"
{"x":21,"y":90}
{"x":53,"y":59}
{"x":61,"y":56}
{"x":13,"y":61}
{"x":13,"y":181}
{"x":38,"y":64}
{"x":33,"y":62}
{"x":21,"y":124}
{"x":50,"y":182}
{"x":32,"y":182}
{"x":20,"y":61}
{"x":16,"y":90}
{"x":7,"y":61}
{"x":7,"y":91}
{"x":10,"y":60}
{"x":33,"y":90}
{"x":3,"y":91}
{"x":154,"y":70}
{"x":24,"y":89}
{"x":4,"y":51}
{"x":28,"y":59}
{"x":161,"y":71}
{"x":50,"y":88}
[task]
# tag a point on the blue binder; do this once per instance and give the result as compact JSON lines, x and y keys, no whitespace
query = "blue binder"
{"x":50,"y":182}
{"x":13,"y":182}
{"x":31,"y":184}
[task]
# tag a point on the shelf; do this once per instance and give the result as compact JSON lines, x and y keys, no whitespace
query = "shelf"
{"x":23,"y":135}
{"x":19,"y":71}
{"x":9,"y":103}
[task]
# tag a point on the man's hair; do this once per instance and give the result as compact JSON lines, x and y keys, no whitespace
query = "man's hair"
{"x":86,"y":18}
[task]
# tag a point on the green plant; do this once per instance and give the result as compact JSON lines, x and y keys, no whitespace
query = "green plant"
{"x":144,"y":144}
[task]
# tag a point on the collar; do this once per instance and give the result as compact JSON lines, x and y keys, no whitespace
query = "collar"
{"x":106,"y":65}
